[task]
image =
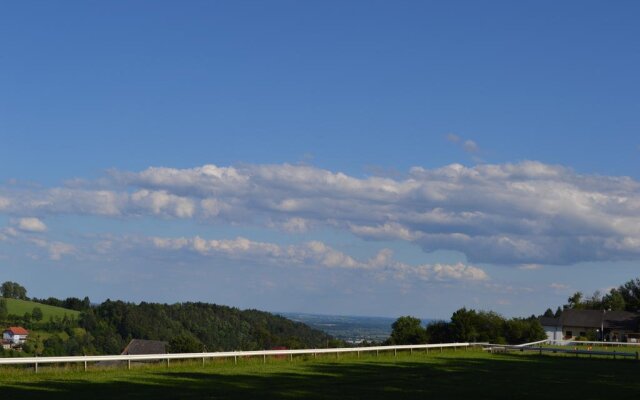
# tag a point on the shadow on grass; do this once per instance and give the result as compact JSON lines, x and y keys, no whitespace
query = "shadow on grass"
{"x":497,"y":377}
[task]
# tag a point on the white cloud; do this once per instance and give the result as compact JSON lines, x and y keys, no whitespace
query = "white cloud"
{"x":527,"y":213}
{"x":31,"y":225}
{"x":453,"y":138}
{"x":55,"y":249}
{"x":296,"y":225}
{"x":4,"y":203}
{"x":530,"y":267}
{"x":470,"y":146}
{"x":317,"y":254}
{"x":467,"y":145}
{"x":163,"y":203}
{"x":558,"y":286}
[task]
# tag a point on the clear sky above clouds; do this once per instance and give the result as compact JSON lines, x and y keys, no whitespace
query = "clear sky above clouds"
{"x":378,"y":158}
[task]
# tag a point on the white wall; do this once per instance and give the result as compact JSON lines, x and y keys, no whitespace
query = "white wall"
{"x":553,"y":332}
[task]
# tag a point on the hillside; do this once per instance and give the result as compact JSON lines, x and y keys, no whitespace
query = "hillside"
{"x":73,"y":326}
{"x":210,"y":326}
{"x":20,"y":307}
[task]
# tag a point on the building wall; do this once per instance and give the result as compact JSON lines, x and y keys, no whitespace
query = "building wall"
{"x":553,"y":332}
{"x":572,"y":332}
{"x":16,"y":339}
{"x":19,"y":338}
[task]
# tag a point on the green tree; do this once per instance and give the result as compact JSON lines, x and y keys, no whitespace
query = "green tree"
{"x":630,"y":292}
{"x":4,"y":312}
{"x":408,"y":330}
{"x":463,"y":324}
{"x":13,"y":290}
{"x":36,"y":314}
{"x":185,"y":344}
{"x":575,"y":301}
{"x":439,"y":332}
{"x":548,"y":313}
{"x":613,"y":301}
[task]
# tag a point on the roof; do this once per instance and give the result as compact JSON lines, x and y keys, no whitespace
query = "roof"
{"x":139,"y":346}
{"x":549,"y":321}
{"x":17,"y":330}
{"x":600,"y":318}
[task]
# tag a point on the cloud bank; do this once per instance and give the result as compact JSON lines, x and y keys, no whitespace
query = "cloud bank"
{"x":317,"y":254}
{"x":515,"y":214}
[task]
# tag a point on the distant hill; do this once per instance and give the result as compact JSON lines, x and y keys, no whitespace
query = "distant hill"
{"x":20,"y":307}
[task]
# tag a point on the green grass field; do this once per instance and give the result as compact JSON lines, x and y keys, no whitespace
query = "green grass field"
{"x":20,"y":307}
{"x":448,"y":375}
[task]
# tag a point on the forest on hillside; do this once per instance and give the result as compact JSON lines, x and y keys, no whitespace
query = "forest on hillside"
{"x":106,"y":328}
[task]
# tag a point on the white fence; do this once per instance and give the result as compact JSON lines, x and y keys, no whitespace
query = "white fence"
{"x":579,"y":342}
{"x":225,"y":354}
{"x":538,"y":347}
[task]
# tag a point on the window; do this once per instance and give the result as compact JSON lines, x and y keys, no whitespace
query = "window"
{"x":569,"y":334}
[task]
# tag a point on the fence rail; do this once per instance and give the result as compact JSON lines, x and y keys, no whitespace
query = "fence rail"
{"x":224,"y":354}
{"x":537,"y":347}
{"x":574,"y":342}
{"x":583,"y":352}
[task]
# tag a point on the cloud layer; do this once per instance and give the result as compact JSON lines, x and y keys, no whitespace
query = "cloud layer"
{"x":319,"y":255}
{"x":525,"y":213}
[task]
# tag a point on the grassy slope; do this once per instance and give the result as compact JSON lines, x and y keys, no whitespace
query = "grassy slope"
{"x":19,"y":307}
{"x":450,"y":375}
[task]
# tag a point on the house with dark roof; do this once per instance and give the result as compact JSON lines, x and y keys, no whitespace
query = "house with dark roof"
{"x":139,"y":346}
{"x":552,"y":327}
{"x":612,"y":326}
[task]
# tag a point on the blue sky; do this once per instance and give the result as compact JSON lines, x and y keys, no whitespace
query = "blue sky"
{"x":377,"y":158}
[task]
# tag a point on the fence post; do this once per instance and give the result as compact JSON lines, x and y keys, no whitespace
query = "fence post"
{"x":128,"y":364}
{"x":264,"y":358}
{"x":235,"y":360}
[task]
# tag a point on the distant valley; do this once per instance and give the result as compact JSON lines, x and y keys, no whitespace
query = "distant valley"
{"x":351,"y":329}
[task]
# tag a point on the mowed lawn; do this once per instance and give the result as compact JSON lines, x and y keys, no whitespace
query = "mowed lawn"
{"x":20,"y":307}
{"x":448,"y":375}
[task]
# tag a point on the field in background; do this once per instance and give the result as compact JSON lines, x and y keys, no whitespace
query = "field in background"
{"x":20,"y":307}
{"x":452,"y":374}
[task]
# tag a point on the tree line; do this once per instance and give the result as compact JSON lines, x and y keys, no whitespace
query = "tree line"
{"x":467,"y":325}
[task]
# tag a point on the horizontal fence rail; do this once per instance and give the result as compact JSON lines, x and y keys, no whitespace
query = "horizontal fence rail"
{"x":224,"y":354}
{"x":574,"y":342}
{"x":584,"y":352}
{"x":538,"y":347}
